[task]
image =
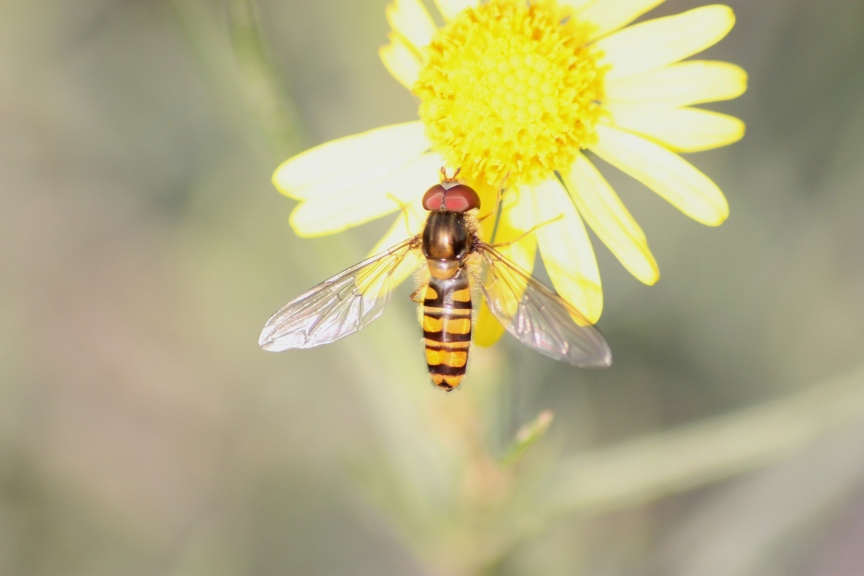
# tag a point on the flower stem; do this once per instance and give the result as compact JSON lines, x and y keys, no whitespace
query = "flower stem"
{"x":666,"y":463}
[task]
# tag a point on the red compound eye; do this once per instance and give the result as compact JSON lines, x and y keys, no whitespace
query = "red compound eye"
{"x":461,"y":198}
{"x":434,"y":198}
{"x":456,"y":198}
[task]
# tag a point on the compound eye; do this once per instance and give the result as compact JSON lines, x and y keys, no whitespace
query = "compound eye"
{"x":433,"y":199}
{"x":461,"y":198}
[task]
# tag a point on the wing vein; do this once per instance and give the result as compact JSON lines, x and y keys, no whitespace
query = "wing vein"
{"x":340,"y":305}
{"x":537,"y":316}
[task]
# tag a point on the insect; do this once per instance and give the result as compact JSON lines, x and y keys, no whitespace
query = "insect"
{"x":457,"y":261}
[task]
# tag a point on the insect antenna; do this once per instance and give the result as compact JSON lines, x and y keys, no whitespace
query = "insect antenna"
{"x":449,"y":178}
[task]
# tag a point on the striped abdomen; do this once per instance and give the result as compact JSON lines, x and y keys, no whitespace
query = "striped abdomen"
{"x":447,"y":329}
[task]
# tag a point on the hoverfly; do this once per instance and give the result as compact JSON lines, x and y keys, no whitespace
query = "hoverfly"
{"x":457,"y":260}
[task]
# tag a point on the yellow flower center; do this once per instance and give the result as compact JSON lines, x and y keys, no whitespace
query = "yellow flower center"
{"x":511,"y":89}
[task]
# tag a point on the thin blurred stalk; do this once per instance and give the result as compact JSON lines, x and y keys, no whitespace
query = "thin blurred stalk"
{"x":268,"y":91}
{"x":666,"y":463}
{"x":526,"y":437}
{"x":240,"y":69}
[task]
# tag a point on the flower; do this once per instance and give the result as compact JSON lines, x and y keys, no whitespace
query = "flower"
{"x":515,"y":94}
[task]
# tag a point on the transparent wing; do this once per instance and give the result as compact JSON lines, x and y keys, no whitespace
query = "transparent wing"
{"x":340,"y":306}
{"x":539,"y":317}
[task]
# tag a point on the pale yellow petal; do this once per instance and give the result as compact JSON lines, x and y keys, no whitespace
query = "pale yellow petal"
{"x":401,"y":61}
{"x":512,"y":226}
{"x":679,"y":129}
{"x":664,"y":172}
{"x":487,"y":329}
{"x":522,"y":252}
{"x":655,"y":43}
{"x":566,"y":250}
{"x":340,"y":164}
{"x":610,"y":15}
{"x":577,"y":4}
{"x":680,"y":84}
{"x":451,"y":8}
{"x":408,"y":223}
{"x":410,"y":20}
{"x":604,"y":212}
{"x":366,"y":200}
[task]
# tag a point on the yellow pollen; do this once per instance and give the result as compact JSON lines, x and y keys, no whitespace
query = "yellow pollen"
{"x":511,"y":88}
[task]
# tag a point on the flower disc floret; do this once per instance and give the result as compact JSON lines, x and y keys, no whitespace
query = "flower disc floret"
{"x":511,"y":89}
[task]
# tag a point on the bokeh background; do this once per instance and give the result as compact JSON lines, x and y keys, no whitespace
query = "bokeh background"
{"x":142,"y":246}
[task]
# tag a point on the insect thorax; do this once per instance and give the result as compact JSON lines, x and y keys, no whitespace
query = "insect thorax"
{"x":446,"y":236}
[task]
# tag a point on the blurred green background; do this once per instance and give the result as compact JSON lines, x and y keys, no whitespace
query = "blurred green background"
{"x":142,"y":431}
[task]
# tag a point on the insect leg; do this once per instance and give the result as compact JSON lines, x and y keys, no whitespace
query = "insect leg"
{"x":419,"y":294}
{"x":404,"y":207}
{"x":527,"y":232}
{"x":498,"y":198}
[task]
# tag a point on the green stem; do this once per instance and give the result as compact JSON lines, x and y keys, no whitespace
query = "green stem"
{"x":265,"y":88}
{"x":666,"y":463}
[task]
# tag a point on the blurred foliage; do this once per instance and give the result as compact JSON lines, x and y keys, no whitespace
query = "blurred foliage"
{"x":143,"y":432}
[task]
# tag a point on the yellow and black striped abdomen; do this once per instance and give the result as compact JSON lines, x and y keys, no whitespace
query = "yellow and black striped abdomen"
{"x":447,"y":329}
